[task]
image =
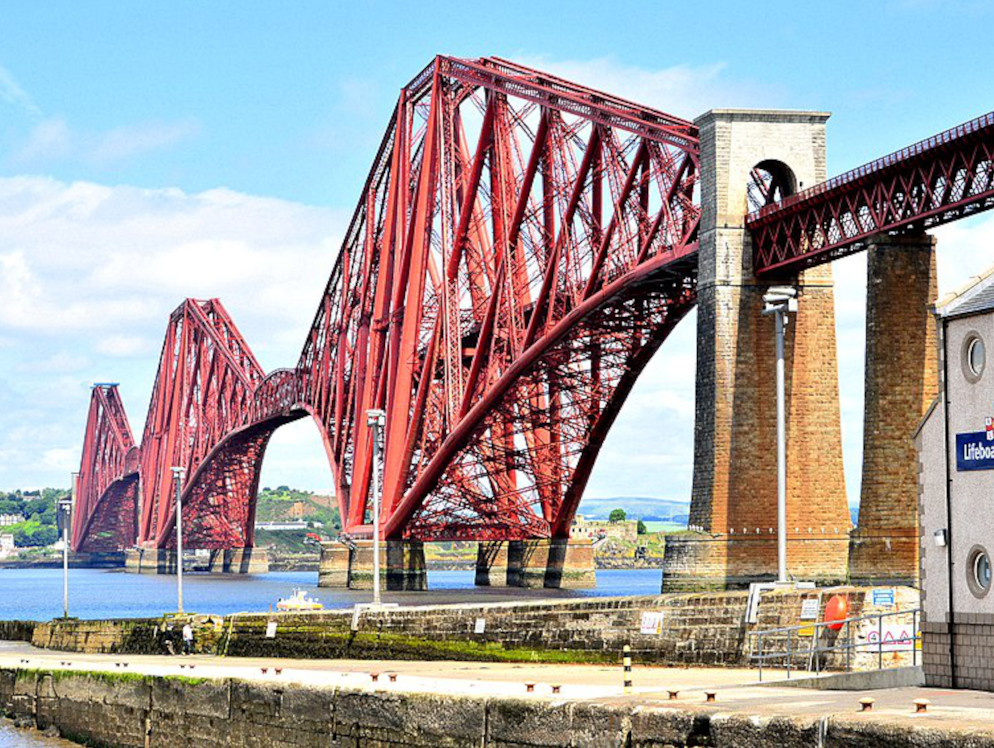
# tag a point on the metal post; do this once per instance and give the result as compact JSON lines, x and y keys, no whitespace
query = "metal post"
{"x":790,"y":652}
{"x":880,"y":642}
{"x":778,"y":301}
{"x":781,"y":455}
{"x":178,"y":473}
{"x":376,"y":419}
{"x":66,"y":506}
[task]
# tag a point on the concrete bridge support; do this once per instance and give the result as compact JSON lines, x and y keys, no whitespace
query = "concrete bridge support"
{"x":734,"y":491}
{"x":402,"y":565}
{"x":230,"y":561}
{"x":901,"y":382}
{"x":557,"y":563}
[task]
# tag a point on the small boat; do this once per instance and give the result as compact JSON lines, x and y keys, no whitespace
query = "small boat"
{"x":299,"y":600}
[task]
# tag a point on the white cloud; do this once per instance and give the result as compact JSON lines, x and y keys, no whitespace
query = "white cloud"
{"x":90,"y":273}
{"x":683,"y":90}
{"x":12,"y":93}
{"x":124,"y":345}
{"x":125,"y":142}
{"x":48,"y":139}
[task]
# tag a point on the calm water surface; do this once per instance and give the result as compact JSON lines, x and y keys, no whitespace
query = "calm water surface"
{"x":36,"y":594}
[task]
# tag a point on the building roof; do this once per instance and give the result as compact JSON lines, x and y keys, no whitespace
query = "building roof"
{"x":976,"y":296}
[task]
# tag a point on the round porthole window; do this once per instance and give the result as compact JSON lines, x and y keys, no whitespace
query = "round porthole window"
{"x":979,"y":571}
{"x":974,"y":357}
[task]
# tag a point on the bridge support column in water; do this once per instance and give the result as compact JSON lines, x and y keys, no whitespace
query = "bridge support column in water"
{"x":547,"y":562}
{"x":750,"y":156}
{"x":901,"y":383}
{"x":229,"y":561}
{"x":402,"y":565}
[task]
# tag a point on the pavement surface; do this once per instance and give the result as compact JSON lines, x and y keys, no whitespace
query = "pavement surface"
{"x":736,"y":689}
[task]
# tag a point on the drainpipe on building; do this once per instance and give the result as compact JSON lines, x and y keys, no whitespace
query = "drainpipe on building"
{"x":951,"y":617}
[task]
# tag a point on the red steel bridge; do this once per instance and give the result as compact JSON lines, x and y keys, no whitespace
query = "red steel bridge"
{"x":521,"y":248}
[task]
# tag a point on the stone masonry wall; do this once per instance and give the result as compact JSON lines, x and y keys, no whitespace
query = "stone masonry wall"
{"x":147,"y":712}
{"x":901,"y":383}
{"x":734,"y":491}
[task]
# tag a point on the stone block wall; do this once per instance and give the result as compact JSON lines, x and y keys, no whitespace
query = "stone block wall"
{"x":734,"y":491}
{"x":901,"y":383}
{"x":972,"y":642}
{"x":147,"y":712}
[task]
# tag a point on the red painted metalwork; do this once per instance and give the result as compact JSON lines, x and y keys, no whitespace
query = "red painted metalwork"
{"x":105,"y":512}
{"x":941,"y":179}
{"x":521,"y":248}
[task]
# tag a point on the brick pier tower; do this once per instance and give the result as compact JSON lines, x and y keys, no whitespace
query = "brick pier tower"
{"x":734,"y":493}
{"x":901,"y":382}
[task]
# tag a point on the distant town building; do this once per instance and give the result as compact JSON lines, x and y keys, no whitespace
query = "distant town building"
{"x":956,"y":480}
{"x":7,"y":548}
{"x":6,"y":520}
{"x":293,"y":524}
{"x":597,"y":528}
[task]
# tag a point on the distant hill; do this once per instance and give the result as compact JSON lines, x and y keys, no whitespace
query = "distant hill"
{"x":642,"y":507}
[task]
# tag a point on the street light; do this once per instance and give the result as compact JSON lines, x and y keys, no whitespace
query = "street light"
{"x":778,"y":301}
{"x":376,"y":420}
{"x":178,"y":473}
{"x":65,"y":506}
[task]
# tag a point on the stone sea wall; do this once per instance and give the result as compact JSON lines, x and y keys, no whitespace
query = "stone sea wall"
{"x":698,"y":629}
{"x":145,"y":712}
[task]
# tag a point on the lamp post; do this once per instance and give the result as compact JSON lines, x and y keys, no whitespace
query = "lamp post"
{"x":65,"y":506}
{"x":778,"y":301}
{"x":376,"y":419}
{"x":178,"y":473}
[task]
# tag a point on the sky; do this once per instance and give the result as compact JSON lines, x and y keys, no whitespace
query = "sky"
{"x":155,"y":151}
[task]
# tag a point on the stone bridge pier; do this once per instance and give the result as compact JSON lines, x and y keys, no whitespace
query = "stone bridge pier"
{"x":733,"y":507}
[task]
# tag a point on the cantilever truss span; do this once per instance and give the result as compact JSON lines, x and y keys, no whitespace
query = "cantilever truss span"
{"x":521,"y":247}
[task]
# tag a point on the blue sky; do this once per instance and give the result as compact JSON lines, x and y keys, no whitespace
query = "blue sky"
{"x":151,"y":151}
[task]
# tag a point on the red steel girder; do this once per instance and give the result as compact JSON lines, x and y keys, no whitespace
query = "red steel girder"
{"x":521,"y":248}
{"x":521,"y":245}
{"x":940,"y":179}
{"x":105,"y":513}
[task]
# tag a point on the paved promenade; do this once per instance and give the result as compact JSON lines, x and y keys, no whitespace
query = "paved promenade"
{"x":737,"y":691}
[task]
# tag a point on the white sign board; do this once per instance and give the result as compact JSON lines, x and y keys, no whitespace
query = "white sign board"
{"x":271,"y":630}
{"x":652,"y":622}
{"x":809,"y":609}
{"x":892,"y":637}
{"x":480,"y":626}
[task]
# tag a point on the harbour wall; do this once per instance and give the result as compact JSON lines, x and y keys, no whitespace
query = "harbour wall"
{"x":110,"y":709}
{"x":698,"y":628}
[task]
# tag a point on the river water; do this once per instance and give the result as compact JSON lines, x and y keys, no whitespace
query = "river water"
{"x":36,"y":594}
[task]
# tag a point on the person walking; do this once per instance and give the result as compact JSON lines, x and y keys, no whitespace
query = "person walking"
{"x":187,"y":638}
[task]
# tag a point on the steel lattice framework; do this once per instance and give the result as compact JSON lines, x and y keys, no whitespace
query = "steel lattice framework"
{"x":521,"y":248}
{"x":105,"y":516}
{"x":941,"y":179}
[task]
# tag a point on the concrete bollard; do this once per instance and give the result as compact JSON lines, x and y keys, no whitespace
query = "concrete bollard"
{"x":626,"y":664}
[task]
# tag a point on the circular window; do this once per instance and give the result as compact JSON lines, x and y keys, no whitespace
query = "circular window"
{"x":978,"y":571}
{"x":974,"y":357}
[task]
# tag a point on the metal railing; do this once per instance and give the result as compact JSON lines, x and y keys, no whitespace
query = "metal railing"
{"x":848,"y":637}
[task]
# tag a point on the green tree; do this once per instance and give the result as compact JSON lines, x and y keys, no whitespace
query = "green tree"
{"x":617,"y":515}
{"x":642,"y":530}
